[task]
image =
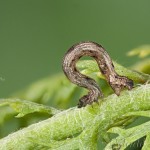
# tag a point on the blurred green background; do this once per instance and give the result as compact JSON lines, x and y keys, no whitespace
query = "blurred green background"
{"x":35,"y":34}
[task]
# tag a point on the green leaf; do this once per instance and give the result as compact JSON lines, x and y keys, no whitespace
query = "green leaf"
{"x":77,"y":128}
{"x":92,"y":66}
{"x":128,"y":136}
{"x":142,"y":66}
{"x":147,"y":142}
{"x":139,"y":113}
{"x":141,"y":51}
{"x":5,"y":112}
{"x":24,"y":107}
{"x":56,"y":91}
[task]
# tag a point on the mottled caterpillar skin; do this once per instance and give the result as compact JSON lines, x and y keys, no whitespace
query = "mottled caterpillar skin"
{"x":105,"y":65}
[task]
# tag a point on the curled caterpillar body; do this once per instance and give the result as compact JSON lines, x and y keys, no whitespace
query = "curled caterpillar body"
{"x":105,"y":65}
